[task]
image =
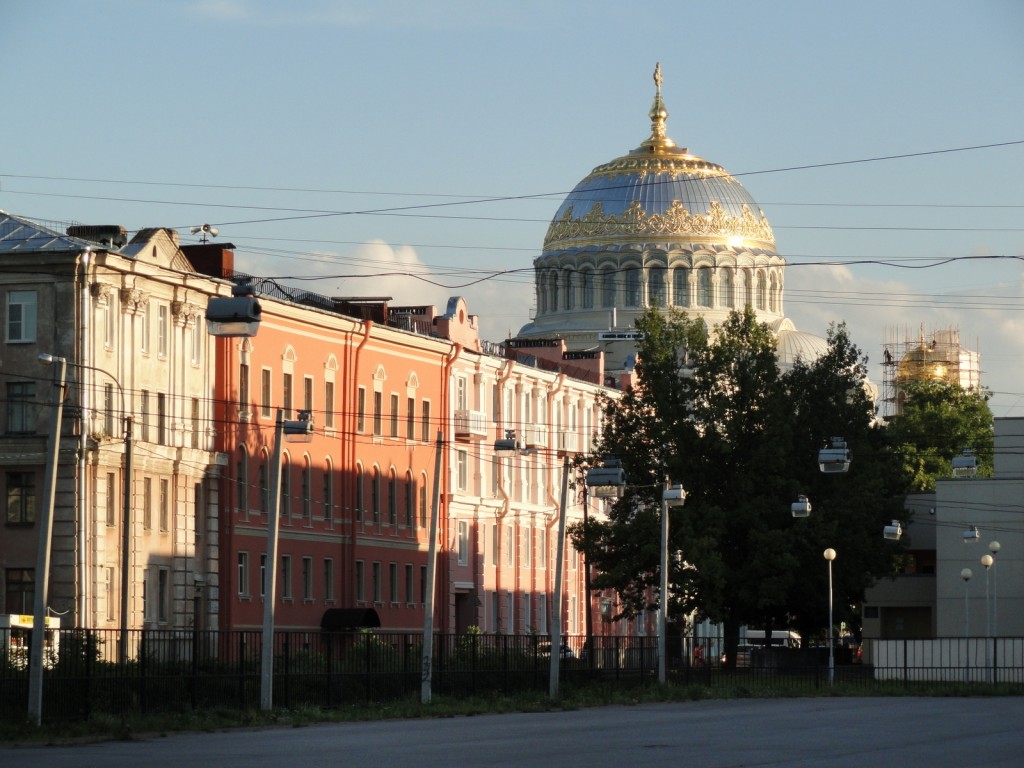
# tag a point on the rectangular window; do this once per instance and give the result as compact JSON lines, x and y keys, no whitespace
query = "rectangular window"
{"x":423,"y":584}
{"x":286,"y":577}
{"x":542,"y":548}
{"x":510,"y":546}
{"x":410,"y":594}
{"x":144,"y":416}
{"x":462,"y":470}
{"x":161,"y":418}
{"x":197,"y":341}
{"x":286,"y":395}
{"x":360,"y":581}
{"x":378,"y":417}
{"x":21,"y":317}
{"x":147,"y":503}
{"x":393,"y":582}
{"x":328,"y":578}
{"x":264,"y":489}
{"x":361,"y":410}
{"x":144,"y":328}
{"x":197,"y":427}
{"x":265,"y":392}
{"x":425,"y":435}
{"x":307,"y":394}
{"x":108,"y":324}
{"x":21,"y":498}
{"x":410,"y":502}
{"x":108,"y":409}
{"x":328,"y":494}
{"x":410,"y":418}
{"x":243,"y":573}
{"x":394,"y":415}
{"x":423,"y":505}
{"x":111,"y":499}
{"x":377,"y":587}
{"x":162,"y":330}
{"x":463,"y":543}
{"x":527,"y":544}
{"x":307,"y":494}
{"x":165,"y":505}
{"x":163,"y":595}
{"x":20,"y":590}
{"x":307,"y":578}
{"x":243,"y":388}
{"x":329,"y":404}
{"x":20,"y":397}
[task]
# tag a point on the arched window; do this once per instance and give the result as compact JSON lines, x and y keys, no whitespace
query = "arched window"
{"x":656,"y":286}
{"x":242,"y":481}
{"x":704,"y":287}
{"x":726,"y":288}
{"x":633,"y":288}
{"x":410,"y":500}
{"x":265,"y":485}
{"x":773,"y":294}
{"x":681,"y":286}
{"x":587,"y":286}
{"x":570,"y":288}
{"x":375,"y":496}
{"x":747,"y":298}
{"x":552,"y":280}
{"x":307,"y":492}
{"x":360,"y":495}
{"x":393,"y":498}
{"x":762,"y":290}
{"x":286,"y":487}
{"x":608,"y":291}
{"x":328,"y":491}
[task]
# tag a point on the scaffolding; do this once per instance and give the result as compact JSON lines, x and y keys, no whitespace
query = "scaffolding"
{"x":937,"y":355}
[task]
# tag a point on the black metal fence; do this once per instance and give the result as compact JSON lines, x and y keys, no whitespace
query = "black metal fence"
{"x":181,"y":670}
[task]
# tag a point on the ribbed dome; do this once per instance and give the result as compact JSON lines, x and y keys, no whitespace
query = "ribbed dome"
{"x":659,"y":192}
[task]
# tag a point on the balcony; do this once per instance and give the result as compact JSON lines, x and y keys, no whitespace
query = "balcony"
{"x":566,"y":441}
{"x":470,"y":425}
{"x":536,"y":436}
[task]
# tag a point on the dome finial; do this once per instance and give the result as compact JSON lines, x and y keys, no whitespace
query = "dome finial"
{"x":658,"y":114}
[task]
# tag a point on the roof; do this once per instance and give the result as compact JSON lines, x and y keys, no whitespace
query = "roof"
{"x":18,"y":235}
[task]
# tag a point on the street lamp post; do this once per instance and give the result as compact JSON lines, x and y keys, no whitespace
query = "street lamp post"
{"x":966,"y":574}
{"x":987,"y":560}
{"x":994,"y":547}
{"x":671,"y":496}
{"x":39,"y":602}
{"x":830,"y":555}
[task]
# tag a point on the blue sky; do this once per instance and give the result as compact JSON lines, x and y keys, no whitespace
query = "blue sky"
{"x":262,"y":117}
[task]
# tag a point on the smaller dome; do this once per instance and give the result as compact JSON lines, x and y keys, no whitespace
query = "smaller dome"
{"x":927,"y":362}
{"x":796,"y":345}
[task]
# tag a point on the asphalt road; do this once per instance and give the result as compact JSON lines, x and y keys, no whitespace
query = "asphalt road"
{"x":903,"y":732}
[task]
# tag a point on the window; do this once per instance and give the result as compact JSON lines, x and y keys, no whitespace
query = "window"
{"x":463,"y":544}
{"x":510,"y":546}
{"x":423,"y":584}
{"x":265,"y":392}
{"x":144,"y":328}
{"x":108,"y":409}
{"x":656,"y":287}
{"x":394,"y":415}
{"x":704,"y":287}
{"x":608,"y":287}
{"x":264,"y":488}
{"x":527,"y":613}
{"x":361,"y":410}
{"x":461,"y":470}
{"x":587,"y":288}
{"x":285,"y":495}
{"x":144,"y":415}
{"x":307,"y":493}
{"x":329,"y":405}
{"x":360,"y":581}
{"x":393,"y":498}
{"x":163,"y":596}
{"x":542,"y":548}
{"x":243,"y":388}
{"x":681,"y":287}
{"x":243,"y":573}
{"x":20,"y":396}
{"x":20,"y":590}
{"x":393,"y":582}
{"x":527,"y":545}
{"x":147,"y":503}
{"x":161,"y":418}
{"x":286,"y":395}
{"x":542,"y":614}
{"x":307,"y":578}
{"x":108,"y":593}
{"x":263,"y":574}
{"x":197,"y":341}
{"x":196,"y":426}
{"x":378,"y":404}
{"x":165,"y":504}
{"x":21,"y":317}
{"x":328,"y":493}
{"x":633,"y":288}
{"x":410,"y":501}
{"x":286,"y":577}
{"x":360,"y":495}
{"x":375,"y":496}
{"x":409,"y":584}
{"x":21,"y":498}
{"x":410,"y":418}
{"x":307,"y":394}
{"x":423,"y":505}
{"x":376,"y":583}
{"x":162,"y":330}
{"x":425,"y":421}
{"x":328,"y":578}
{"x":111,"y":499}
{"x":107,"y":324}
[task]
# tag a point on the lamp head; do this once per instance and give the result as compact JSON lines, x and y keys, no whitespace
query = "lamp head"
{"x":829,"y":554}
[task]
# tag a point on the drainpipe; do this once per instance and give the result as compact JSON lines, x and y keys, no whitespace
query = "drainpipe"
{"x":81,"y":579}
{"x":446,"y":375}
{"x":556,"y":503}
{"x":349,"y":453}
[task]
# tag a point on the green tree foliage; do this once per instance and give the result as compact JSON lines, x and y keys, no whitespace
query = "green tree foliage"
{"x":938,"y":421}
{"x":713,"y":412}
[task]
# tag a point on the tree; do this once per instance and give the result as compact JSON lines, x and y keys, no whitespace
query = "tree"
{"x":713,"y":412}
{"x":939,"y":420}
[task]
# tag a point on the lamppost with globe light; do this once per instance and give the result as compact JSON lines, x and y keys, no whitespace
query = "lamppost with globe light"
{"x":830,"y":555}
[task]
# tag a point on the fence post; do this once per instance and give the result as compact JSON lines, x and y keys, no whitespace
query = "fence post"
{"x":241,"y":671}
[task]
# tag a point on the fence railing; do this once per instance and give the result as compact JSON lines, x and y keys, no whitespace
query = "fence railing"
{"x":183,"y":670}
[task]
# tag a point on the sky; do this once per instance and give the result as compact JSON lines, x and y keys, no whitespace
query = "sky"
{"x":418,"y":150}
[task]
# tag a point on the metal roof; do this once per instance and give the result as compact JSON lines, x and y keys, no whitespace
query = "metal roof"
{"x":18,"y":235}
